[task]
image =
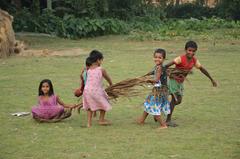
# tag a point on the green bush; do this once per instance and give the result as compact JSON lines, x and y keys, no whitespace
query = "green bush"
{"x":86,"y":27}
{"x":24,"y":21}
{"x":148,"y":27}
{"x":164,"y":30}
{"x":69,"y":26}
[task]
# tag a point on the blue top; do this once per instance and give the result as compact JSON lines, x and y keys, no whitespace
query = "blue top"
{"x":85,"y":76}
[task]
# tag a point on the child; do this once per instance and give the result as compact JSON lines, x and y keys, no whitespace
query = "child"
{"x":94,"y":95}
{"x":184,"y":64}
{"x":50,"y":108}
{"x":157,"y":102}
{"x":83,"y":78}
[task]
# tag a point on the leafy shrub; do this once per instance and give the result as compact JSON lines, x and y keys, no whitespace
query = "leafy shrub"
{"x":139,"y":27}
{"x":86,"y":27}
{"x":184,"y":27}
{"x":69,"y":26}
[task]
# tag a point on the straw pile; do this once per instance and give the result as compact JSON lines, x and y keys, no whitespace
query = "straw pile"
{"x":8,"y":44}
{"x":7,"y":37}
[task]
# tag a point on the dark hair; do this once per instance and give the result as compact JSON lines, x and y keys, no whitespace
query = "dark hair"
{"x":88,"y":62}
{"x":191,"y":44}
{"x":161,"y":51}
{"x":95,"y":55}
{"x":40,"y":92}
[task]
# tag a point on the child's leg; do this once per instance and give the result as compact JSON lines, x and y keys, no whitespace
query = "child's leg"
{"x":102,"y":120}
{"x":89,"y":124}
{"x":102,"y":115}
{"x":94,"y":113}
{"x":169,"y":116}
{"x":142,"y":118}
{"x":169,"y":98}
{"x":173,"y":103}
{"x":159,"y":119}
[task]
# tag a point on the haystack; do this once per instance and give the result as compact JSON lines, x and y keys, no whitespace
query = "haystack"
{"x":8,"y":44}
{"x":7,"y":37}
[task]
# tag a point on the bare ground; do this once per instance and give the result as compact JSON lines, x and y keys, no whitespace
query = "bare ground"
{"x":47,"y":52}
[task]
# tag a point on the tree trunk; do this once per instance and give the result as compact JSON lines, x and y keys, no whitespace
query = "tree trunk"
{"x":7,"y":36}
{"x":49,"y":4}
{"x":177,"y":2}
{"x":35,"y":7}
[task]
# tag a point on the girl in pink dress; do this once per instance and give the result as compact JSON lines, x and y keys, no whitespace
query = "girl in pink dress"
{"x":50,"y":108}
{"x":94,"y":96}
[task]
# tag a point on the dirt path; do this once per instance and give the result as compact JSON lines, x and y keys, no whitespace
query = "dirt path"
{"x":47,"y":52}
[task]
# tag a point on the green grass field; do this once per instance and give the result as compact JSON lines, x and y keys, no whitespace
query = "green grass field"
{"x":208,"y":118}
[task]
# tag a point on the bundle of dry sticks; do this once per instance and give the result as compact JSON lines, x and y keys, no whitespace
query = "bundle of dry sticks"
{"x":128,"y":87}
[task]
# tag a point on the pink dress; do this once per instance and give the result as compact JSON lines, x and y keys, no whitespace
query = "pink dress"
{"x":94,"y":95}
{"x":47,"y":109}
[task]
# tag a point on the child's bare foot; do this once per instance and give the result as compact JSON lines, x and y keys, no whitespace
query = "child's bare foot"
{"x":163,"y":127}
{"x":104,"y":122}
{"x":89,"y":125}
{"x":140,"y":121}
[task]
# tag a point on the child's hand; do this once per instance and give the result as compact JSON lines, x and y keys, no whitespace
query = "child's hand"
{"x":107,"y":96}
{"x":78,"y":92}
{"x":151,"y":81}
{"x":76,"y":106}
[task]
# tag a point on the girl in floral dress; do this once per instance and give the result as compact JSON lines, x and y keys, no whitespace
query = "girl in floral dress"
{"x":157,"y":101}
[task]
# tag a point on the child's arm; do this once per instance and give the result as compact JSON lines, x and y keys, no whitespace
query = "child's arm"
{"x":81,"y":76}
{"x":158,"y":73}
{"x":106,"y":76}
{"x":175,"y":61}
{"x":66,"y":105}
{"x":205,"y":72}
{"x":81,"y":84}
{"x":169,"y":64}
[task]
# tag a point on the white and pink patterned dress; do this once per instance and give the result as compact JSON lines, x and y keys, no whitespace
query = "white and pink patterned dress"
{"x":94,"y":95}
